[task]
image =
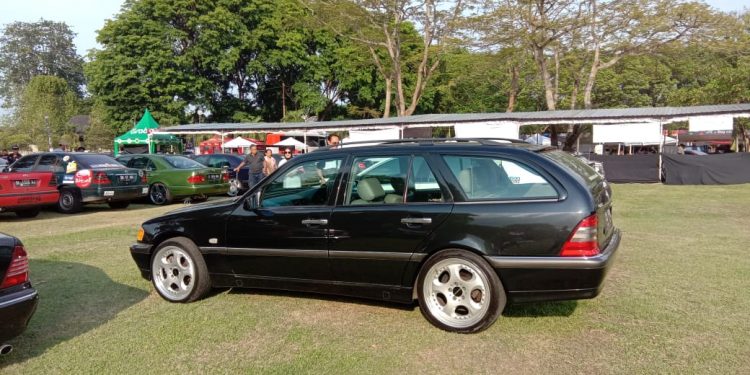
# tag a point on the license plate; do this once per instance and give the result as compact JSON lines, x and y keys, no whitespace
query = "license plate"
{"x":25,"y":183}
{"x":213,"y":177}
{"x":126,"y":177}
{"x":109,"y":193}
{"x":144,"y":190}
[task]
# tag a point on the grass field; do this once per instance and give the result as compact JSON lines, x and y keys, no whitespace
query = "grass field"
{"x":676,"y":301}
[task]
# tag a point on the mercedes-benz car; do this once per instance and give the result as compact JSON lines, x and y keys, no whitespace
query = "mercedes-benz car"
{"x":464,"y":227}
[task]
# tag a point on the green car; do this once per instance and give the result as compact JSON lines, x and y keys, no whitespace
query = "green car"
{"x":172,"y":176}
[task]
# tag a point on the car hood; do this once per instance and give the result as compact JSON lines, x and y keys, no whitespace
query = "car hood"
{"x":217,"y":204}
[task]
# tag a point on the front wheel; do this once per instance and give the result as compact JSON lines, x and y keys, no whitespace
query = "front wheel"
{"x":159,"y":194}
{"x":459,"y":292}
{"x":234,"y":187}
{"x":179,"y":272}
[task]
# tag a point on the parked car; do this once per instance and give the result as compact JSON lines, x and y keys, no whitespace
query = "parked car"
{"x":87,"y":178}
{"x":18,"y":299}
{"x":237,"y":181}
{"x":174,"y":176}
{"x":440,"y":222}
{"x":25,"y":193}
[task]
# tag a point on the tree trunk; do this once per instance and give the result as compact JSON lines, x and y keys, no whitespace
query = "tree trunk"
{"x":514,"y":87}
{"x":388,"y":88}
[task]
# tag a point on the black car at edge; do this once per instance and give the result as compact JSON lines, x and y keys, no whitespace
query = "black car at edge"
{"x":18,"y":299}
{"x":463,"y":227}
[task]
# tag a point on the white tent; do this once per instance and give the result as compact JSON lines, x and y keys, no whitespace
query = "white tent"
{"x":487,"y":129}
{"x":238,"y":142}
{"x":290,"y":142}
{"x":538,"y":139}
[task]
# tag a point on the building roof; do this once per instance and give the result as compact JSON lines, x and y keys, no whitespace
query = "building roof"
{"x":582,"y":116}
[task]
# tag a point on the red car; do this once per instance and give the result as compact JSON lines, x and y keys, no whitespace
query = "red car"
{"x":26,"y":192}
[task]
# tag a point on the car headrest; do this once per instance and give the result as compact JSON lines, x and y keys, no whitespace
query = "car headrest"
{"x":370,"y":189}
{"x":465,"y":179}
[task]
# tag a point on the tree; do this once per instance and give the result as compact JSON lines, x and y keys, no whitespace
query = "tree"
{"x":382,"y":26}
{"x":29,"y":49}
{"x":44,"y":111}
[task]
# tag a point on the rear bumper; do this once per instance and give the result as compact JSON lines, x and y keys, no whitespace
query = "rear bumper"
{"x":529,"y":279}
{"x":16,"y":309}
{"x":114,"y":193}
{"x":213,"y":189}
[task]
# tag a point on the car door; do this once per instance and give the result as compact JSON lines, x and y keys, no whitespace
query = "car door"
{"x":391,"y":205}
{"x":282,"y":229}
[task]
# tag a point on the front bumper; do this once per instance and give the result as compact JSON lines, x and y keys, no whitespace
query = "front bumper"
{"x":16,"y":309}
{"x":531,"y":279}
{"x":141,"y":253}
{"x":114,"y":193}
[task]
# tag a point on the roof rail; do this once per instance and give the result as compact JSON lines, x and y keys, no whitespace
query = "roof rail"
{"x":426,"y":141}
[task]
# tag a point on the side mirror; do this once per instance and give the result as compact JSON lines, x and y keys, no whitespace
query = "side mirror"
{"x":253,"y":201}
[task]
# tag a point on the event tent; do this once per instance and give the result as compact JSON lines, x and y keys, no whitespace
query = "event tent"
{"x":142,"y":135}
{"x":290,"y":142}
{"x":238,"y":142}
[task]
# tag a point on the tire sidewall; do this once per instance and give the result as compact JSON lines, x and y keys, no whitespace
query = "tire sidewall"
{"x":167,"y":195}
{"x":498,"y":299}
{"x":202,"y":283}
{"x":75,"y":205}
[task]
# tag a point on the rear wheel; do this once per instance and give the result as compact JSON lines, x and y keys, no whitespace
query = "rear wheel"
{"x":69,"y":201}
{"x":159,"y":194}
{"x":29,"y":213}
{"x":179,"y":272}
{"x":459,"y":292}
{"x":119,"y":204}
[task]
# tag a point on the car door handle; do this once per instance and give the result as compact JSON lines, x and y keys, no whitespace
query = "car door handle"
{"x":315,"y":222}
{"x":416,"y":220}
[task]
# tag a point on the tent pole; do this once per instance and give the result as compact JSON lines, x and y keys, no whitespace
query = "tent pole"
{"x":305,"y":137}
{"x":661,"y":147}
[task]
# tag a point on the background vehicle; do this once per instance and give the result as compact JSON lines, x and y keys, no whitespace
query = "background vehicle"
{"x":86,"y":178}
{"x":173,"y":176}
{"x":18,"y":299}
{"x":25,"y":193}
{"x":466,"y":226}
{"x":237,"y":181}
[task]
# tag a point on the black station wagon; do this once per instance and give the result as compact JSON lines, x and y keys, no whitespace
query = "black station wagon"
{"x":463,"y":226}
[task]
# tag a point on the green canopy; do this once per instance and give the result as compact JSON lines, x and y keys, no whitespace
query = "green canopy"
{"x":142,"y":134}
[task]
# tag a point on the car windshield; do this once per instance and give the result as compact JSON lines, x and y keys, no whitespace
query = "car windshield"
{"x":181,"y":162}
{"x":94,"y":161}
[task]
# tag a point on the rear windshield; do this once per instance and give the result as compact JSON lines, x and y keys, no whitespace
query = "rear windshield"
{"x":575,"y":164}
{"x":181,"y":162}
{"x":94,"y":161}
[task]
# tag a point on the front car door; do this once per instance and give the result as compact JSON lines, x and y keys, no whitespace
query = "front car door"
{"x":390,"y":206}
{"x":283,"y":232}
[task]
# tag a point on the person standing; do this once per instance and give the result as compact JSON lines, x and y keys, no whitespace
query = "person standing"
{"x":255,"y":161}
{"x":287,"y":157}
{"x":269,"y":163}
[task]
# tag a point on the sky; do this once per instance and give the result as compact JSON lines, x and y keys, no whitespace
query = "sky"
{"x":85,"y":17}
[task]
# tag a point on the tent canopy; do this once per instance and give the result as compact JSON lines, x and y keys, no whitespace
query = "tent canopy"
{"x":290,"y":142}
{"x":142,"y":134}
{"x":238,"y":142}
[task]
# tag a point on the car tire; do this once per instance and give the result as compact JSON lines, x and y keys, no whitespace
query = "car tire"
{"x":458,"y":291}
{"x":69,"y":201}
{"x":179,"y":272}
{"x":119,"y":205}
{"x":27,"y":214}
{"x":159,"y":194}
{"x":234,"y":187}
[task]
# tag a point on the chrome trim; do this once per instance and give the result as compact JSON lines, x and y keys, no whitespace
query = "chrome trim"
{"x":599,"y":261}
{"x":290,"y":253}
{"x":416,"y":220}
{"x":315,"y":222}
{"x":374,"y":255}
{"x":417,"y":257}
{"x":509,"y":201}
{"x":23,"y":298}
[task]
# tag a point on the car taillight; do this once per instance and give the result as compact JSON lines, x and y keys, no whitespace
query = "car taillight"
{"x":225,"y":176}
{"x":196,"y":179}
{"x":144,"y":179}
{"x":83,"y":178}
{"x":100,"y":178}
{"x":583,"y":241}
{"x":18,"y":270}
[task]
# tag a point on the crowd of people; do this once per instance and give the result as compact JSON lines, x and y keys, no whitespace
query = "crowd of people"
{"x":11,"y":156}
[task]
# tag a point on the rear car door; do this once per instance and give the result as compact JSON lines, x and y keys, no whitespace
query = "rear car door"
{"x":283,"y":233}
{"x":390,"y":206}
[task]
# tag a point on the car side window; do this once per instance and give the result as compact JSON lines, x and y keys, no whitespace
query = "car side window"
{"x":216,"y":161}
{"x":25,"y":164}
{"x":423,"y":186}
{"x":487,"y":178}
{"x":307,"y":184}
{"x":377,"y":180}
{"x":137,"y":162}
{"x":49,"y":163}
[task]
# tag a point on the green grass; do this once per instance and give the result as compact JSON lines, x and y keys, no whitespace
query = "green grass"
{"x":676,"y":301}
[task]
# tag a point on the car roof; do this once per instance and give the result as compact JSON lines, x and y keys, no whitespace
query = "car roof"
{"x":439,"y":144}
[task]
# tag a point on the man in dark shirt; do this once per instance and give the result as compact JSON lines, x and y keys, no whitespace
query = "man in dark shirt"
{"x":255,"y":161}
